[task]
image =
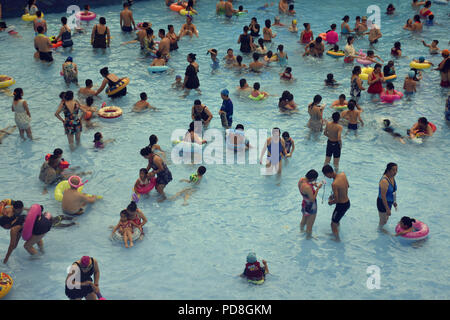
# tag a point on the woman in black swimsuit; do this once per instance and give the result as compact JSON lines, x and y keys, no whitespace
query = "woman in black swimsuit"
{"x":190,"y":78}
{"x":163,"y":174}
{"x":201,"y":112}
{"x":100,"y":40}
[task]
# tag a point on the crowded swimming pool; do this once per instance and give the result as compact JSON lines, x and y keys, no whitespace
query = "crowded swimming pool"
{"x":198,"y":251}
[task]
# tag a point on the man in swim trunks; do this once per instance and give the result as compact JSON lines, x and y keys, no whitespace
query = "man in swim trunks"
{"x":126,"y":18}
{"x":228,"y":6}
{"x":352,"y":116}
{"x":339,"y":197}
{"x":43,"y":45}
{"x":164,"y":44}
{"x":333,"y":131}
{"x":73,"y":202}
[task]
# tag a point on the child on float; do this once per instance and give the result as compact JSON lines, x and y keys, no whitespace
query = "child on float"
{"x":406,"y":223}
{"x":390,"y":9}
{"x":340,"y":102}
{"x":98,"y":141}
{"x":142,"y":104}
{"x":125,"y":228}
{"x":253,"y":270}
{"x":287,"y":74}
{"x":389,"y":69}
{"x":143,"y":184}
{"x":87,"y":91}
{"x":89,"y":112}
{"x":256,"y":93}
{"x":195,"y":179}
{"x":371,"y":56}
{"x":137,"y":216}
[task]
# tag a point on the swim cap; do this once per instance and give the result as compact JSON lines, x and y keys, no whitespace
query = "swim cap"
{"x":69,"y":59}
{"x":294,"y":21}
{"x":446,"y":52}
{"x":225,"y":92}
{"x":251,"y":257}
{"x":85,"y":261}
{"x":421,"y":59}
{"x":411,"y":74}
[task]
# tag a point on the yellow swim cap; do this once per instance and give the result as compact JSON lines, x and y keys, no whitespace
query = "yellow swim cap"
{"x":294,"y":21}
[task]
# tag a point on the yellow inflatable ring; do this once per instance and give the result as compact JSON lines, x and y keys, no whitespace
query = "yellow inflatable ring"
{"x":183,"y":12}
{"x":336,"y":107}
{"x":340,"y":53}
{"x":365,"y":73}
{"x":28,"y":17}
{"x":391,"y":78}
{"x":110,"y":112}
{"x":417,"y":65}
{"x":258,"y":98}
{"x":273,"y":58}
{"x":7,"y":83}
{"x":256,"y":281}
{"x":122,"y":84}
{"x":61,"y":187}
{"x":6,"y":283}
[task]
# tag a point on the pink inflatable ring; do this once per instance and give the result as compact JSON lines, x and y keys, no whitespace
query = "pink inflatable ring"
{"x":86,"y":17}
{"x":389,"y":98}
{"x":147,"y":188}
{"x":363,"y":61}
{"x":421,"y":232}
{"x":27,"y":231}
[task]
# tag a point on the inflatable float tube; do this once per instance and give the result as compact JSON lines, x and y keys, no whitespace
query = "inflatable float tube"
{"x":390,"y":78}
{"x":86,"y":17}
{"x":7,"y":83}
{"x":175,"y":7}
{"x":6,"y":283}
{"x":136,"y":234}
{"x":55,"y":44}
{"x":338,"y":107}
{"x":258,"y":98}
{"x":29,"y":17}
{"x":121,"y":85}
{"x":33,"y":213}
{"x":421,"y":233}
{"x":323,"y":35}
{"x":364,"y":75}
{"x":389,"y":98}
{"x":157,"y":69}
{"x":257,"y":282}
{"x":433,"y":128}
{"x":63,"y":164}
{"x":417,"y":65}
{"x":335,"y":54}
{"x":240,"y":13}
{"x":61,"y":187}
{"x":183,"y":12}
{"x":108,"y":113}
{"x":149,"y":187}
{"x":440,"y":1}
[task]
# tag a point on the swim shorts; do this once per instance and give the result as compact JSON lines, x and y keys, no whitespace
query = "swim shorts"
{"x":46,"y":56}
{"x":339,"y":211}
{"x":127,"y":29}
{"x":381,"y":207}
{"x":333,"y":148}
{"x":353,"y":126}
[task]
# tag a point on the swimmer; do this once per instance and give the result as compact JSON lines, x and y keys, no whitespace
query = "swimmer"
{"x":192,"y":136}
{"x":239,"y":64}
{"x":89,"y":112}
{"x":430,"y":21}
{"x":87,"y":91}
{"x":332,"y":35}
{"x":154,"y":146}
{"x":371,"y":56}
{"x":282,"y":56}
{"x":333,"y":131}
{"x":408,"y":25}
{"x":330,"y":82}
{"x":286,"y":102}
{"x":126,"y":19}
{"x":417,"y":4}
{"x":241,"y":10}
{"x":142,"y":104}
{"x":229,"y":58}
{"x":253,"y":270}
{"x":361,"y":27}
{"x":293,"y":26}
{"x":43,"y":46}
{"x":6,"y":131}
{"x":389,"y":69}
{"x":178,"y":84}
{"x":125,"y":228}
{"x":70,"y":71}
{"x":195,"y":179}
{"x":98,"y":141}
{"x":425,"y":11}
{"x":243,"y":86}
{"x":287,"y":74}
{"x":188,"y":29}
{"x":200,"y":112}
{"x":374,"y":34}
{"x":309,"y":49}
{"x":10,"y":30}
{"x":73,"y":202}
{"x":220,"y":7}
{"x":137,"y":216}
{"x":256,"y":93}
{"x":283,"y":6}
{"x":390,"y":9}
{"x":256,"y":65}
{"x":291,"y":11}
{"x":406,"y":223}
{"x":164,"y":44}
{"x":422,"y":60}
{"x":396,"y":51}
{"x":422,"y":128}
{"x":236,"y":139}
{"x":265,"y":6}
{"x":39,"y":21}
{"x":356,"y":83}
{"x":142,"y":182}
{"x":277,"y":22}
{"x":318,"y":48}
{"x":288,"y":143}
{"x":390,"y":130}
{"x":229,"y":11}
{"x":159,"y":61}
{"x":309,"y":204}
{"x":432,"y":46}
{"x":261,"y":49}
{"x":345,"y":28}
{"x":417,"y":25}
{"x":417,"y":75}
{"x":267,"y":32}
{"x":275,"y":146}
{"x":246,"y":41}
{"x":306,"y":36}
{"x":315,"y":111}
{"x":340,"y":102}
{"x":353,"y":116}
{"x":215,"y":61}
{"x":269,"y":57}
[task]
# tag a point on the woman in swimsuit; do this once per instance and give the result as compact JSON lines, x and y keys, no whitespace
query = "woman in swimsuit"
{"x":65,"y":34}
{"x":12,"y":219}
{"x":201,"y":113}
{"x":275,"y":147}
{"x":345,"y":28}
{"x":70,"y":71}
{"x":375,"y":80}
{"x":267,"y":32}
{"x":386,"y":193}
{"x":307,"y":35}
{"x":315,"y":111}
{"x":356,"y":84}
{"x":309,"y":204}
{"x":71,"y":121}
{"x":100,"y":40}
{"x":163,"y":174}
{"x":444,"y":69}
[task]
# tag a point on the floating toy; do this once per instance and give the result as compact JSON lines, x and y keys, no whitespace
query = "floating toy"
{"x":421,"y":231}
{"x":136,"y":234}
{"x":335,"y":54}
{"x":157,"y":69}
{"x":112,"y":112}
{"x":32,"y":215}
{"x":418,"y":65}
{"x":6,"y":283}
{"x":258,"y":98}
{"x":6,"y":83}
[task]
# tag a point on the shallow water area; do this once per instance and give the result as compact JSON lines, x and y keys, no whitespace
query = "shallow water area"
{"x":197,"y":251}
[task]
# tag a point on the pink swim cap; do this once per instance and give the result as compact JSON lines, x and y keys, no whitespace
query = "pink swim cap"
{"x":85,"y":261}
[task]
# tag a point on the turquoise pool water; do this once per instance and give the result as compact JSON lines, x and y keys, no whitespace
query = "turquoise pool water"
{"x":197,"y":251}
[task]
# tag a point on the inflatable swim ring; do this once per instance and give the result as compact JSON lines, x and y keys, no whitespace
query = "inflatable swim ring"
{"x":136,"y":234}
{"x":338,"y":107}
{"x":183,"y":12}
{"x":421,"y":232}
{"x":418,"y":65}
{"x":258,"y":98}
{"x":240,"y":13}
{"x":433,"y":128}
{"x":6,"y":283}
{"x":86,"y":17}
{"x":335,"y":54}
{"x":28,"y":17}
{"x":364,"y":75}
{"x":61,"y":187}
{"x":147,"y":188}
{"x":323,"y":35}
{"x":7,"y":83}
{"x":175,"y":7}
{"x":112,"y":112}
{"x":33,"y":213}
{"x":389,"y":98}
{"x":122,"y":84}
{"x":55,"y":44}
{"x":157,"y":69}
{"x":390,"y":78}
{"x":256,"y":281}
{"x":362,"y":59}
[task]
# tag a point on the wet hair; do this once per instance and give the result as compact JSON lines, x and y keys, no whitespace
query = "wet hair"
{"x":370,"y":53}
{"x":336,"y":47}
{"x":17,"y":204}
{"x":104,"y":71}
{"x":69,"y":95}
{"x":242,"y":82}
{"x":346,"y":18}
{"x":437,"y":42}
{"x":387,"y":122}
{"x":306,"y":24}
{"x":64,"y":20}
{"x":390,"y":165}
{"x":245,"y":28}
{"x":356,"y":70}
{"x":124,"y":213}
{"x":390,"y":86}
{"x":256,"y":86}
{"x":397,"y":45}
{"x":132,"y":206}
{"x":330,"y":76}
{"x":192,"y":56}
{"x":97,"y":136}
{"x":239,"y":126}
{"x":261,"y":42}
{"x":349,"y":39}
{"x":146,"y":151}
{"x":327,"y":169}
{"x":241,"y":8}
{"x":229,"y":49}
{"x":318,"y":39}
{"x":53,"y":161}
{"x":153,"y":139}
{"x":427,"y":4}
{"x":88,"y":82}
{"x":377,"y":66}
{"x":149,"y":31}
{"x":317,"y":98}
{"x":255,"y":56}
{"x":333,"y":26}
{"x":143,"y":96}
{"x":102,"y":20}
{"x":267,"y":23}
{"x":168,"y":27}
{"x":269,"y":54}
{"x":357,"y":18}
{"x":390,"y":6}
{"x":89,"y":101}
{"x":336,"y":116}
{"x":431,"y":17}
{"x":280,"y":47}
{"x":342,"y":96}
{"x":191,"y":126}
{"x":291,"y":7}
{"x":158,"y":54}
{"x":239,"y":59}
{"x":162,"y":31}
{"x":86,"y":7}
{"x":62,"y":95}
{"x":417,"y":18}
{"x":312,"y":175}
{"x":18,"y":93}
{"x":423,"y":121}
{"x":197,"y":102}
{"x":201,"y":170}
{"x":407,"y":221}
{"x":143,"y":170}
{"x":351,"y":105}
{"x":57,"y":152}
{"x":288,"y":70}
{"x":40,"y":29}
{"x":39,"y":13}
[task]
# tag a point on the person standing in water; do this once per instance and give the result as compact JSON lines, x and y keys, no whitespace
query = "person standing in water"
{"x":309,"y":204}
{"x":339,"y":197}
{"x":160,"y":169}
{"x":333,"y":131}
{"x":126,"y":18}
{"x":387,"y":193}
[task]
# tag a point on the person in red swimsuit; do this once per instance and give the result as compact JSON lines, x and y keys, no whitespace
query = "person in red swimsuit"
{"x":307,"y":35}
{"x":137,"y":216}
{"x":375,"y":80}
{"x":425,"y":11}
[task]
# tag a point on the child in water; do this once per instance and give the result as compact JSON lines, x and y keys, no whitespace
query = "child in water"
{"x":98,"y":141}
{"x":406,"y":223}
{"x":125,"y":228}
{"x":330,"y":82}
{"x":390,"y":9}
{"x":143,"y":184}
{"x":253,"y":270}
{"x":215,"y":61}
{"x":433,"y":46}
{"x":256,"y":93}
{"x":410,"y":85}
{"x":194,"y":178}
{"x":288,"y":144}
{"x":89,"y":112}
{"x":177,"y":85}
{"x":287,"y":75}
{"x":142,"y":104}
{"x":293,"y":26}
{"x":158,"y":61}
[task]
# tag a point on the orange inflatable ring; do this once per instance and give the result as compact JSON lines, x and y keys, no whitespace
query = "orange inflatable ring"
{"x":110,"y":112}
{"x":175,"y":7}
{"x":323,"y":36}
